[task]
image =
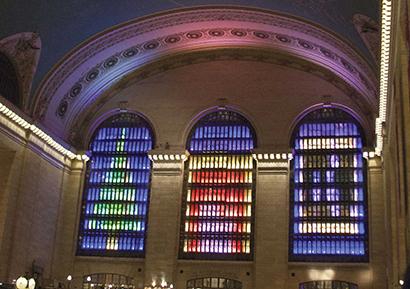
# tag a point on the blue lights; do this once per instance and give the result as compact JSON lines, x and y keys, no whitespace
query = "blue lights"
{"x":329,"y":211}
{"x":116,"y":194}
{"x":221,"y":138}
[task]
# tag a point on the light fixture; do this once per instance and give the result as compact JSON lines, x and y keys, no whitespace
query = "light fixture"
{"x":401,"y":282}
{"x":69,"y":278}
{"x":163,"y":285}
{"x":23,"y":283}
{"x":41,"y":134}
{"x":384,"y":71}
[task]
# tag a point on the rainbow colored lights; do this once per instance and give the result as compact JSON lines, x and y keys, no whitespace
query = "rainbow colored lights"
{"x":114,"y":214}
{"x":218,"y":199}
{"x":328,"y":190}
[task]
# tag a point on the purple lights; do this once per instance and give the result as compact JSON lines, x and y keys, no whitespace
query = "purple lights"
{"x":328,"y":190}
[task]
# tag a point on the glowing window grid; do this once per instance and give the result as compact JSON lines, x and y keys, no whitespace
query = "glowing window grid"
{"x":218,"y":200}
{"x":328,"y":284}
{"x":328,"y":198}
{"x":208,"y":283}
{"x":116,"y":193}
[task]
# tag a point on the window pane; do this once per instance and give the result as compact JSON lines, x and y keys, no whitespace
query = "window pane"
{"x":219,"y":190}
{"x":206,"y":283}
{"x":327,"y":285}
{"x":116,"y":191}
{"x":328,"y":195}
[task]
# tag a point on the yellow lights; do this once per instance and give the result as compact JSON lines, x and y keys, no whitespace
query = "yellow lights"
{"x":166,"y":157}
{"x":270,"y":156}
{"x":45,"y":137}
{"x":321,"y":274}
{"x":163,"y":284}
{"x":384,"y":71}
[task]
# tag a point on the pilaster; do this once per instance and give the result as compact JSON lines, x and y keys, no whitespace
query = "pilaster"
{"x":271,"y":219}
{"x":164,"y":215}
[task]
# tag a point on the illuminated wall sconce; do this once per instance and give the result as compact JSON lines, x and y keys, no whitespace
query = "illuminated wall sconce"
{"x":23,"y":283}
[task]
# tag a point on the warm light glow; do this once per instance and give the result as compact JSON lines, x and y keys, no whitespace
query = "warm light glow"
{"x":31,"y":283}
{"x":47,"y":139}
{"x":401,"y":282}
{"x":69,"y":278}
{"x":21,"y":283}
{"x":321,"y":274}
{"x":384,"y":71}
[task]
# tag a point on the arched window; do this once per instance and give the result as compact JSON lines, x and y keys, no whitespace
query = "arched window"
{"x":328,"y":191}
{"x":219,"y":193}
{"x":208,"y":283}
{"x":9,"y":87}
{"x":116,"y":192}
{"x":328,"y":284}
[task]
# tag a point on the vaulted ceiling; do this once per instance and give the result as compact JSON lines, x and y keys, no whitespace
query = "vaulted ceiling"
{"x":93,"y":50}
{"x":65,"y":24}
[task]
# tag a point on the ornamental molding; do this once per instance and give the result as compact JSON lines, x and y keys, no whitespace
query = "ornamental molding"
{"x":24,"y":49}
{"x":77,"y":130}
{"x":105,"y":58}
{"x":126,"y":55}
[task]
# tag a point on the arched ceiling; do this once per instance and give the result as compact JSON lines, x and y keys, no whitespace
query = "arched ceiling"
{"x":65,"y":24}
{"x":144,"y":47}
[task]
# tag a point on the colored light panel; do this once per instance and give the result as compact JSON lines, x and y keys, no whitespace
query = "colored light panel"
{"x":328,"y":190}
{"x":116,"y":195}
{"x":218,"y":200}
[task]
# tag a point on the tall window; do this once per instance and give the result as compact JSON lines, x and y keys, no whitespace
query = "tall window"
{"x":9,"y":87}
{"x":219,"y":193}
{"x":116,"y":192}
{"x":328,"y":192}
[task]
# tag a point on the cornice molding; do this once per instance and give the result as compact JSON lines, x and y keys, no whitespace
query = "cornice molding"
{"x":86,"y":114}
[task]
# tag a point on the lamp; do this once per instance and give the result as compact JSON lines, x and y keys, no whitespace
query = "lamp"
{"x":89,"y":280}
{"x":69,"y":278}
{"x":23,"y":283}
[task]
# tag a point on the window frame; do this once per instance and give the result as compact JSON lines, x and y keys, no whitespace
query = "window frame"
{"x":309,"y":118}
{"x":210,"y":119}
{"x":139,"y":192}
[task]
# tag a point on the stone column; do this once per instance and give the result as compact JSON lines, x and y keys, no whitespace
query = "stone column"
{"x":164,"y":215}
{"x":68,"y":222}
{"x":272,"y":217}
{"x":377,"y":224}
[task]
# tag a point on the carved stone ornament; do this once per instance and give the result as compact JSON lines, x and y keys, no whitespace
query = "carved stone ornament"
{"x":25,"y":49}
{"x":86,"y":73}
{"x":369,"y":31}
